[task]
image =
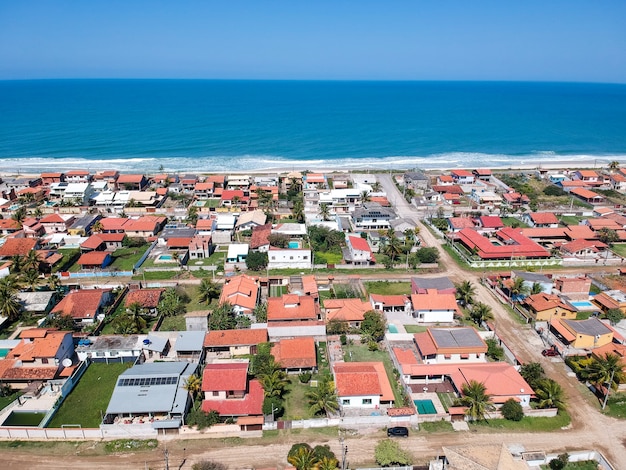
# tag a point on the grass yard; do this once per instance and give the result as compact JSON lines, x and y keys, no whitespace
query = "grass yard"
{"x":322,"y":358}
{"x":360,"y":353}
{"x":175,"y":323}
{"x":278,"y":291}
{"x":194,"y":304}
{"x":570,"y":219}
{"x":156,"y":275}
{"x":620,"y":249}
{"x":388,"y":288}
{"x":125,"y":259}
{"x":296,"y":404}
{"x":322,"y":257}
{"x":616,"y":406}
{"x":582,"y":465}
{"x":90,"y":397}
{"x":540,"y":424}
{"x":6,"y":401}
{"x":513,"y":222}
{"x":415,"y":328}
{"x":436,"y":426}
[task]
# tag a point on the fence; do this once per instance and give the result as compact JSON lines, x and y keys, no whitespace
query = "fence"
{"x":95,"y":274}
{"x":145,"y":255}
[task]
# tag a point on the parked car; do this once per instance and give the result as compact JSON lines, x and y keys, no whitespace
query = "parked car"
{"x":398,"y":431}
{"x":551,"y":352}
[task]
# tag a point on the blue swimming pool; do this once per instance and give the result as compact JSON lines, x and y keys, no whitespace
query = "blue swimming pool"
{"x":392,"y":328}
{"x":165,"y":258}
{"x":425,"y":407}
{"x":582,"y":304}
{"x":294,"y":245}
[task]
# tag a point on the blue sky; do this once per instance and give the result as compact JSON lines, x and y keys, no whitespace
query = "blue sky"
{"x":548,"y":40}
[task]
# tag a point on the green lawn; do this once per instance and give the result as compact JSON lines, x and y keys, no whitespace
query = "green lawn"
{"x":388,"y":288}
{"x":125,"y":259}
{"x":616,"y":406}
{"x":296,"y":405}
{"x":156,"y":275}
{"x":436,"y":426}
{"x":582,"y":465}
{"x":322,"y":360}
{"x":321,"y":257}
{"x":360,"y":353}
{"x":175,"y":323}
{"x":195,"y":304}
{"x":6,"y":401}
{"x":540,"y":424}
{"x":415,"y":328}
{"x":512,"y":221}
{"x":70,"y":256}
{"x":278,"y":291}
{"x":90,"y":397}
{"x":570,"y":219}
{"x":620,"y":249}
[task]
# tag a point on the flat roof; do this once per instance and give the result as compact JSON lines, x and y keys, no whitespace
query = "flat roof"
{"x":590,"y":327}
{"x":456,"y":337}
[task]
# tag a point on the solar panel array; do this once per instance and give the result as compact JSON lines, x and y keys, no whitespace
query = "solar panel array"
{"x":142,"y":382}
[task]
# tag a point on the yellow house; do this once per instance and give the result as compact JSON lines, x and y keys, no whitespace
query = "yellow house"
{"x":611,"y":299}
{"x":545,"y":307}
{"x":583,"y":334}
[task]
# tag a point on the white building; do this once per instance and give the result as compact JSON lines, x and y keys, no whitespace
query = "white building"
{"x":297,"y":258}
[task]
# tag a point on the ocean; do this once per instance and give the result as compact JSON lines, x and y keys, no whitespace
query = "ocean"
{"x":231,"y":125}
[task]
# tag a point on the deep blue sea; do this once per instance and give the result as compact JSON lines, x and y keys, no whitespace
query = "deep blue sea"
{"x":215,"y":125}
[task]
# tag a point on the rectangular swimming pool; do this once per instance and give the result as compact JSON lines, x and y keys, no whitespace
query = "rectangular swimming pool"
{"x":425,"y":407}
{"x":582,"y":304}
{"x":24,"y":418}
{"x":392,"y":328}
{"x":294,"y":245}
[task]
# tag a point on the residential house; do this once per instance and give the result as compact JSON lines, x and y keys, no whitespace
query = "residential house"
{"x":358,"y":251}
{"x":248,"y":220}
{"x":189,"y":346}
{"x":482,"y":174}
{"x":110,"y":348}
{"x":154,"y":393}
{"x":544,"y":307}
{"x":144,"y":227}
{"x":443,"y":285}
{"x":38,"y":302}
{"x":582,"y":334}
{"x":309,"y":286}
{"x":197,"y":320}
{"x":296,"y":258}
{"x":292,"y":231}
{"x":584,"y":249}
{"x":588,"y":196}
{"x":362,"y":385}
{"x":588,"y":176}
{"x":391,"y":303}
{"x":450,"y":345}
{"x":228,"y":390}
{"x":456,"y":224}
{"x":14,"y":246}
{"x":237,"y":253}
{"x":204,"y":190}
{"x":485,"y":197}
{"x":78,"y":176}
{"x":511,"y":244}
{"x":618,"y":182}
{"x":515,"y":200}
{"x":242,"y":293}
{"x":531,"y":279}
{"x":32,"y":227}
{"x":38,"y":357}
{"x":292,"y":307}
{"x":228,"y":343}
{"x":148,"y":299}
{"x":372,"y":216}
{"x":350,"y":311}
{"x":200,"y":247}
{"x":609,"y":299}
{"x":84,"y":305}
{"x":238,"y":181}
{"x":135,"y":182}
{"x":155,"y":347}
{"x":295,"y":355}
{"x":235,"y":198}
{"x":488,"y":223}
{"x":575,"y":288}
{"x":83,"y":225}
{"x":95,"y":260}
{"x":416,"y":180}
{"x":52,"y":177}
{"x":78,"y":193}
{"x":445,"y":180}
{"x":188,"y":182}
{"x":260,"y":238}
{"x":433,"y":307}
{"x":103,"y":242}
{"x":113,"y":224}
{"x":314,"y":181}
{"x":462,"y":177}
{"x":109,"y":177}
{"x":541,"y":219}
{"x":9,"y":226}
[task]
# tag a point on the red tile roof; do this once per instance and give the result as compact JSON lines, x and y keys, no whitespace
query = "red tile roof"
{"x":250,"y":404}
{"x":433,"y":300}
{"x":130,"y":179}
{"x":235,"y":337}
{"x":350,"y":310}
{"x":17,"y":246}
{"x":9,"y":224}
{"x":291,"y":307}
{"x":147,"y":298}
{"x":360,"y":244}
{"x":92,"y":243}
{"x":390,"y":300}
{"x":585,"y":193}
{"x":178,"y":242}
{"x":521,"y":246}
{"x":362,"y":378}
{"x":405,"y":356}
{"x":295,"y":353}
{"x":543,"y":218}
{"x":113,"y":223}
{"x":229,"y":194}
{"x":93,"y":258}
{"x":460,"y":173}
{"x":241,"y":291}
{"x":491,"y":221}
{"x":81,"y":304}
{"x":229,"y":376}
{"x":461,"y":222}
{"x":542,"y":302}
{"x":40,"y":347}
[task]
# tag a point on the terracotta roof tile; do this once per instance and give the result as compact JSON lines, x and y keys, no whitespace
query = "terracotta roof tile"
{"x":81,"y":304}
{"x":230,"y":376}
{"x":291,"y":307}
{"x":17,"y":246}
{"x":235,"y":337}
{"x":295,"y":353}
{"x":147,"y":298}
{"x":349,"y":310}
{"x":250,"y":404}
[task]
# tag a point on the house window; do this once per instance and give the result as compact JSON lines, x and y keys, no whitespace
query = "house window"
{"x":44,"y":360}
{"x":367,"y":401}
{"x":345,"y":401}
{"x":216,"y":394}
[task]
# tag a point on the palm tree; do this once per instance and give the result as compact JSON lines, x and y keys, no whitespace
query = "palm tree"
{"x":274,"y":383}
{"x":135,"y":314}
{"x":303,"y":459}
{"x":327,"y":463}
{"x":376,"y":186}
{"x":465,"y":293}
{"x":550,"y":394}
{"x":19,"y":215}
{"x":481,"y":313}
{"x":193,"y":385}
{"x":536,"y":288}
{"x":365,"y":196}
{"x":476,"y":399}
{"x":125,"y":325}
{"x":614,"y":165}
{"x":409,"y":237}
{"x":31,"y":279}
{"x":208,"y":290}
{"x":10,"y":284}
{"x":98,"y":227}
{"x":298,"y":211}
{"x":10,"y":306}
{"x":602,"y":370}
{"x":323,"y":398}
{"x":393,"y":246}
{"x":518,"y":288}
{"x":17,"y":264}
{"x":32,"y":260}
{"x":324,"y":211}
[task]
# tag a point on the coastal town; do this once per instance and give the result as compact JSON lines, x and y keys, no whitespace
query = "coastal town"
{"x":444,"y":306}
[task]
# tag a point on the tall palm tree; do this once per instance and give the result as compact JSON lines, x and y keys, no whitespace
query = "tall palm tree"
{"x":274,"y":383}
{"x":17,"y":264}
{"x":323,"y":398}
{"x":31,"y":279}
{"x":518,"y":288}
{"x":365,"y":196}
{"x":19,"y":214}
{"x":10,"y":306}
{"x":376,"y":187}
{"x":476,"y":399}
{"x":409,"y":237}
{"x":327,"y":463}
{"x":193,"y":385}
{"x":550,"y":394}
{"x":10,"y":284}
{"x":602,"y":369}
{"x":324,"y":211}
{"x":298,"y":210}
{"x":208,"y":290}
{"x":536,"y":288}
{"x":480,"y":313}
{"x":97,"y":227}
{"x":303,"y":459}
{"x":614,"y":165}
{"x":32,"y":260}
{"x":393,"y":246}
{"x":465,"y":292}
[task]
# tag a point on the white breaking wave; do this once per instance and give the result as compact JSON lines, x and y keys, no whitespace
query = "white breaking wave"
{"x":220,"y":164}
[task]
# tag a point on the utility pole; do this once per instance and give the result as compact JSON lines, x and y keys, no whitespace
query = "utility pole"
{"x":608,"y":390}
{"x":344,"y":453}
{"x":166,"y":455}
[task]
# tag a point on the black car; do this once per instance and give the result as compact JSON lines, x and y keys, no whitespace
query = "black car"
{"x":398,"y":431}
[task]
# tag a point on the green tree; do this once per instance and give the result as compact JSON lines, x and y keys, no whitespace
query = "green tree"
{"x":260,"y":313}
{"x":480,"y":313}
{"x":324,"y":211}
{"x":62,"y":322}
{"x":392,"y":246}
{"x":605,"y":369}
{"x":465,"y":293}
{"x":222,"y":318}
{"x":512,"y":410}
{"x":536,"y":288}
{"x":208,"y":290}
{"x":192,"y":215}
{"x":30,"y":278}
{"x":323,"y":398}
{"x":19,"y":214}
{"x":518,"y":288}
{"x":273,"y":405}
{"x":263,"y":362}
{"x":614,"y":315}
{"x":476,"y":399}
{"x":327,"y":463}
{"x":614,"y":165}
{"x":337,"y":327}
{"x":389,"y":453}
{"x":494,"y":350}
{"x":126,"y":324}
{"x":608,"y":236}
{"x":202,"y":419}
{"x":303,"y":459}
{"x":427,"y":255}
{"x":257,"y":261}
{"x":274,"y":384}
{"x":549,"y":394}
{"x":373,"y":326}
{"x":10,"y":306}
{"x":560,"y":462}
{"x":32,"y":261}
{"x":171,"y":303}
{"x":532,"y":373}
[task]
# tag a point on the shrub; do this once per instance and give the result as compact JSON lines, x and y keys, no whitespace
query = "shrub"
{"x":273,"y":403}
{"x":343,"y":339}
{"x":553,"y":191}
{"x":208,"y":465}
{"x":372,"y":346}
{"x":203,"y":420}
{"x":512,"y":410}
{"x":305,"y":377}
